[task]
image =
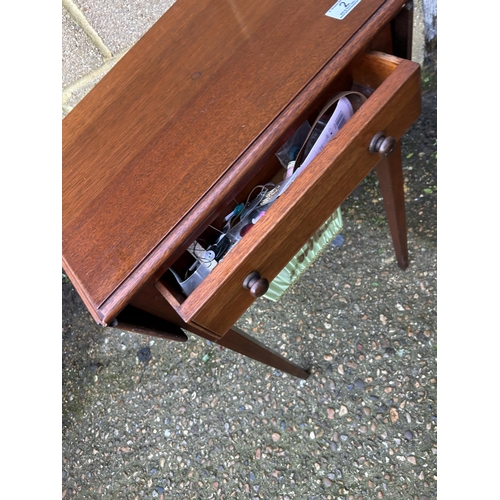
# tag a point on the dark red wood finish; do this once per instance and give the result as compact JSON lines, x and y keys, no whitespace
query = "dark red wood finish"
{"x":190,"y":118}
{"x":146,"y":152}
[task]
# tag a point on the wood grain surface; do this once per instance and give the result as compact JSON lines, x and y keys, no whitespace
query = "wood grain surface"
{"x":145,"y":147}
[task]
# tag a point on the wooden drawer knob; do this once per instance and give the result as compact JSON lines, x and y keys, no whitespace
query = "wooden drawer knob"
{"x":382,"y":145}
{"x":258,"y":286}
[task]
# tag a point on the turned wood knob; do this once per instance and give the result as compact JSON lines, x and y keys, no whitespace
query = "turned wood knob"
{"x":258,"y":286}
{"x":382,"y":145}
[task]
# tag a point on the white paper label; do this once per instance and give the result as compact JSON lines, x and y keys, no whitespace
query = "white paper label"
{"x":341,"y":9}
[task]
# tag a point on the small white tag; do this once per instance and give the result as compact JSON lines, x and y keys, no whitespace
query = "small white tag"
{"x":342,"y":8}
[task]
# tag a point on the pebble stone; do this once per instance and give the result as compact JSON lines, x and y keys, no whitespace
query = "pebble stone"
{"x":359,"y":384}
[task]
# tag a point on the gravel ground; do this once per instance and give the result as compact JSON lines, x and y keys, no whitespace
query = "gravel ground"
{"x":198,"y":421}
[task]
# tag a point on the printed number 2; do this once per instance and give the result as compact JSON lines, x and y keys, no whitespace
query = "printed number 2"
{"x":342,"y":3}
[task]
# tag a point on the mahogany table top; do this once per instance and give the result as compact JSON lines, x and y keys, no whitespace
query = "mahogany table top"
{"x":162,"y":131}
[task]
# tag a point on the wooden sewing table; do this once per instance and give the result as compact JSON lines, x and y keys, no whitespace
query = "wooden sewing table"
{"x":190,"y":119}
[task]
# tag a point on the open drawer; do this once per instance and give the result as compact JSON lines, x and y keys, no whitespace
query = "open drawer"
{"x":393,"y":87}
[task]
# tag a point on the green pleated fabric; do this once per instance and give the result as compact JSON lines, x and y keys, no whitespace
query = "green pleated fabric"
{"x":305,"y":257}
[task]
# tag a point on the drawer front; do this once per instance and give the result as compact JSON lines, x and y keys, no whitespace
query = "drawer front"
{"x":319,"y":190}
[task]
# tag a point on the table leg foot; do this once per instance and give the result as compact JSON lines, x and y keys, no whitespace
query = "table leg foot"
{"x":239,"y":341}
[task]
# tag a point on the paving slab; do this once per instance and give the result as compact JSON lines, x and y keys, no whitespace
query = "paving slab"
{"x":79,"y":55}
{"x":120,"y":23}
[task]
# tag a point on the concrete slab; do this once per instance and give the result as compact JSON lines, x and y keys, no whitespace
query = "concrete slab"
{"x":79,"y":55}
{"x":121,"y":23}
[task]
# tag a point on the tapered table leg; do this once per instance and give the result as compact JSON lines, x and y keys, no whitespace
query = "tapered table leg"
{"x":239,"y":341}
{"x":150,"y":300}
{"x":390,"y":176}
